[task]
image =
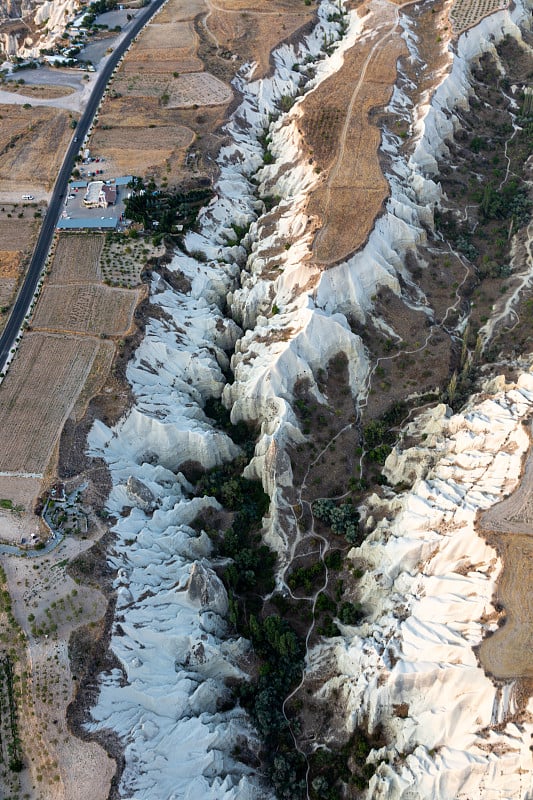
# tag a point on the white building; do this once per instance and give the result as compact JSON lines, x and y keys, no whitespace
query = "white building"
{"x":99,"y":195}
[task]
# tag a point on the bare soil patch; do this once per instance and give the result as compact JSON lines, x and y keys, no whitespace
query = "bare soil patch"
{"x":88,"y":309}
{"x":515,"y":513}
{"x":18,"y":234}
{"x":9,"y":263}
{"x":253,"y":29}
{"x":37,"y":395}
{"x":19,"y":523}
{"x":32,"y":144}
{"x":48,"y":91}
{"x":507,"y":653}
{"x":17,"y":238}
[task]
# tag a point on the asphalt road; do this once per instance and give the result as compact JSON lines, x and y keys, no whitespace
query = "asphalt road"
{"x":27,"y":290}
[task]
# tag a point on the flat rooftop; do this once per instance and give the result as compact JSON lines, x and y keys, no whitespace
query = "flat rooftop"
{"x":109,"y":223}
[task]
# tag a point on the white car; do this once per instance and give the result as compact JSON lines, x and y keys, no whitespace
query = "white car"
{"x":28,"y":197}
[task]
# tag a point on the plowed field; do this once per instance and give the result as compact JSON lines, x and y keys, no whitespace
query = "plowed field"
{"x":37,"y":395}
{"x":85,"y":309}
{"x":76,"y":259}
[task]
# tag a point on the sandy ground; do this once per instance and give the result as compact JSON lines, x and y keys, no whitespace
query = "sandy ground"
{"x":507,"y":653}
{"x":22,"y":523}
{"x":509,"y":527}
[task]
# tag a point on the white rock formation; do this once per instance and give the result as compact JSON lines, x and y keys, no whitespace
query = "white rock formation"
{"x":428,"y":591}
{"x":174,"y":648}
{"x":42,"y":24}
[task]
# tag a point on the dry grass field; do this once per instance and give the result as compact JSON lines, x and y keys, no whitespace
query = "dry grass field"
{"x":37,"y":395}
{"x":344,"y":142}
{"x":17,"y":237}
{"x":132,"y":146}
{"x":76,"y":258}
{"x":89,"y":309}
{"x":32,"y":144}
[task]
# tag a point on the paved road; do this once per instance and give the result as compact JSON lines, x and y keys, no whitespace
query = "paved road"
{"x":25,"y":295}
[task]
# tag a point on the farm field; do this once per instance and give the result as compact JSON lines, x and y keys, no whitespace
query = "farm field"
{"x":123,"y":259}
{"x":32,"y":144}
{"x":184,"y":91}
{"x":37,"y":395}
{"x":76,"y":258}
{"x":138,"y":130}
{"x":159,"y":152}
{"x":89,"y":309}
{"x":344,"y":143}
{"x":466,"y":13}
{"x":151,"y":117}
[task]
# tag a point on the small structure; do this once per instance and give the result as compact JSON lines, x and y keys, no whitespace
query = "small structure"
{"x":123,"y":180}
{"x":110,"y":195}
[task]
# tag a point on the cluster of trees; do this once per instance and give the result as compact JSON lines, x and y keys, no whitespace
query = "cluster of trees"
{"x":379,"y":436}
{"x":162,"y":210}
{"x":306,"y":577}
{"x":347,"y":764}
{"x":248,"y":577}
{"x":282,"y":654}
{"x":509,"y":200}
{"x":241,"y":433}
{"x":343,"y":519}
{"x":13,"y":746}
{"x":98,"y":7}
